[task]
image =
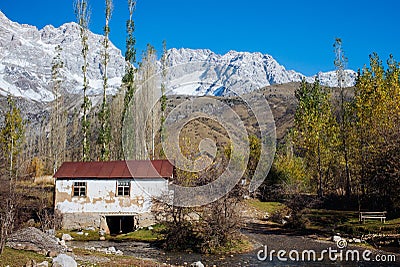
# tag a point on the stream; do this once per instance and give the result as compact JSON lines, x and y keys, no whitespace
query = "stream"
{"x":147,"y":251}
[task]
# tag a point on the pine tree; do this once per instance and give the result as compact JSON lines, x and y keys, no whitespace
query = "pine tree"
{"x":104,"y":114}
{"x":83,"y":17}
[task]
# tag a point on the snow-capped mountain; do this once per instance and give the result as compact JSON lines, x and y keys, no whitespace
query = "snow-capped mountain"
{"x":202,"y":72}
{"x":26,"y":54}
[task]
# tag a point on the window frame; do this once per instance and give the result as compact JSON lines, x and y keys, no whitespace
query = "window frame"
{"x":125,"y":185}
{"x":79,"y":185}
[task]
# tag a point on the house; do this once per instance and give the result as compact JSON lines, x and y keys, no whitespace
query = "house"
{"x":115,"y":196}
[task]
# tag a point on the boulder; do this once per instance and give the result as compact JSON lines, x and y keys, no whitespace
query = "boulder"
{"x":32,"y":239}
{"x":336,"y":238}
{"x":197,"y":264}
{"x":66,"y":237}
{"x":43,"y":264}
{"x":63,"y":260}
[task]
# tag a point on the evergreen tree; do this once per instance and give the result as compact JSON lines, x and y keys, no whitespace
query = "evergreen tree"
{"x":83,"y":17}
{"x":104,"y":114}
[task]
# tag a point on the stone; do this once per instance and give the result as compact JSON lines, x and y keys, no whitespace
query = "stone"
{"x":336,"y":238}
{"x":66,"y":237}
{"x":197,"y":264}
{"x":30,"y":263}
{"x":63,"y":260}
{"x":79,"y":233}
{"x":52,"y":254}
{"x":43,"y":264}
{"x":62,"y":243}
{"x":102,"y":238}
{"x":150,"y":228}
{"x":119,"y":253}
{"x":112,"y":249}
{"x":32,"y":239}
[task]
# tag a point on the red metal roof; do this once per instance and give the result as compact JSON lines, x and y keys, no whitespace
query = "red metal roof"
{"x":116,"y":169}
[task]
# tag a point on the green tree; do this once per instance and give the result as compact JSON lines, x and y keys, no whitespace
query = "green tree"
{"x":164,"y":65}
{"x":316,"y":131}
{"x":11,"y":139}
{"x":130,"y":73}
{"x":11,"y":136}
{"x":344,"y":115}
{"x":377,"y":105}
{"x":83,"y":16}
{"x":104,"y":114}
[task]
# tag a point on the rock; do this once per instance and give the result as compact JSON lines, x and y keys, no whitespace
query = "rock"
{"x":102,"y":238}
{"x":62,"y":243}
{"x":79,"y":233}
{"x":150,"y":228}
{"x":197,"y":264}
{"x":86,"y":234}
{"x":50,"y":232}
{"x":336,"y":238}
{"x":112,"y":249}
{"x":52,"y":254}
{"x":66,"y":237}
{"x":119,"y":253}
{"x":43,"y":264}
{"x":30,"y":263}
{"x":63,"y":260}
{"x":90,"y":228}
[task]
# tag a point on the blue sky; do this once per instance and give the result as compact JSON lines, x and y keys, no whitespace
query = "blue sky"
{"x":299,"y":34}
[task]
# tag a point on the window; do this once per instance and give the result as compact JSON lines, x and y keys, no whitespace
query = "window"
{"x":123,"y":188}
{"x":79,"y":189}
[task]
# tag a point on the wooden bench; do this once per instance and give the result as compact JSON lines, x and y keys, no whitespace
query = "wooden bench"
{"x":373,"y":215}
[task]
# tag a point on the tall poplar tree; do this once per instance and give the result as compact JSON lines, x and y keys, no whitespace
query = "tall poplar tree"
{"x":344,"y":111}
{"x":104,"y":114}
{"x":11,"y":139}
{"x":58,"y":118}
{"x":164,"y":65}
{"x":83,"y":17}
{"x":130,"y":70}
{"x":316,"y":130}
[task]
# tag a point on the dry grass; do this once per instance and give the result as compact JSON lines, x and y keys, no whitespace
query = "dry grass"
{"x":44,"y":180}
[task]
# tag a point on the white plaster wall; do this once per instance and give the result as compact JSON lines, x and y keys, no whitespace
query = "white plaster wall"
{"x":101,"y":196}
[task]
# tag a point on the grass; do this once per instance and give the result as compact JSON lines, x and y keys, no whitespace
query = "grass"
{"x":108,"y":260}
{"x":17,"y":258}
{"x":237,"y":246}
{"x":142,"y":235}
{"x":329,"y":222}
{"x":91,"y":235}
{"x":269,"y":207}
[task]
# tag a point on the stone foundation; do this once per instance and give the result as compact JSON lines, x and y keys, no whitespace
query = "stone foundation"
{"x":71,"y":221}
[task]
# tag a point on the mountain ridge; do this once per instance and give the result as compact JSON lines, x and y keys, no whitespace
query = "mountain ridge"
{"x":25,"y":67}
